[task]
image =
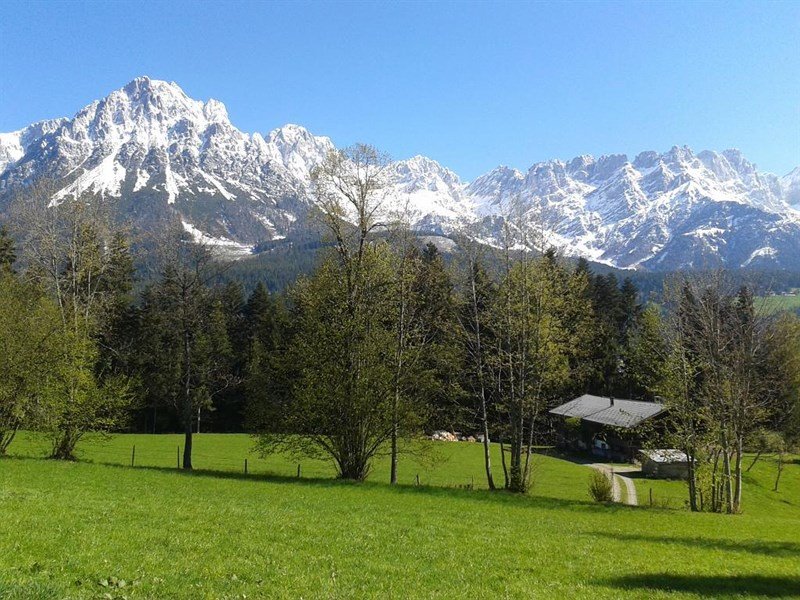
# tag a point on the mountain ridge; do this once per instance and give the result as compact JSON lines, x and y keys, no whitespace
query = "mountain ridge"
{"x":169,"y":156}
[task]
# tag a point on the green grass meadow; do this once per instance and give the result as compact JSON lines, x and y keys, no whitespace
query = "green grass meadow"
{"x":98,"y":528}
{"x":774,"y":304}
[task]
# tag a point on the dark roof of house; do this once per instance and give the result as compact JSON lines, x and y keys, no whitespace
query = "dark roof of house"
{"x":598,"y":409}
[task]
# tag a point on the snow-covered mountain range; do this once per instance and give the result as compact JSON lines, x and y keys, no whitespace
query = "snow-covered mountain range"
{"x":162,"y":156}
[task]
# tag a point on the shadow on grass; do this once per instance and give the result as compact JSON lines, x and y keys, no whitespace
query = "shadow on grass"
{"x":498,"y":496}
{"x":769,"y":548}
{"x":711,"y":585}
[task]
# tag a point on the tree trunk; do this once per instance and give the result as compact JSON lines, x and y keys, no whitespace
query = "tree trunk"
{"x":755,"y":460}
{"x":6,"y":438}
{"x":715,"y":500}
{"x":487,"y":448}
{"x":396,"y":401}
{"x":187,"y":404}
{"x":515,"y":452}
{"x":487,"y":454}
{"x":527,"y":471}
{"x":692,"y":478}
{"x":64,"y":446}
{"x":727,"y":481}
{"x":393,"y":473}
{"x":780,"y":470}
{"x":727,"y":477}
{"x":354,"y":466}
{"x":517,"y":475}
{"x":398,"y":375}
{"x":737,"y":492}
{"x":506,"y":481}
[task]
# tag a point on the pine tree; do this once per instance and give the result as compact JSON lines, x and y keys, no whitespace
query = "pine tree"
{"x":118,"y":317}
{"x":270,"y":371}
{"x":437,"y":380}
{"x":645,"y":355}
{"x":229,"y":403}
{"x":260,"y":316}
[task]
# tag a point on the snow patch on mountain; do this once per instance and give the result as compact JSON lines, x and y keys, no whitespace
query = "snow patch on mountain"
{"x":764,"y":251}
{"x":791,"y":187}
{"x":105,"y":179}
{"x":220,"y":244}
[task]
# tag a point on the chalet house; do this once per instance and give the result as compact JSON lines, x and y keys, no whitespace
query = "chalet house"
{"x":611,"y":428}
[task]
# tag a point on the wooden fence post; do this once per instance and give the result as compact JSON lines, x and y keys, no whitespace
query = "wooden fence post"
{"x":245,"y":466}
{"x":133,"y":456}
{"x":179,"y":457}
{"x":298,"y":470}
{"x":651,"y":496}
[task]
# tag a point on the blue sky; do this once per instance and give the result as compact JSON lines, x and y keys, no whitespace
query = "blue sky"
{"x":472,"y":85}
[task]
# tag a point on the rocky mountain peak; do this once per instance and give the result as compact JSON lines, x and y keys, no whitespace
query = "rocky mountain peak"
{"x":165,"y":156}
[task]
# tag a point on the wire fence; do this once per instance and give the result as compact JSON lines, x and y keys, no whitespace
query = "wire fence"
{"x":655,"y":498}
{"x":546,"y":481}
{"x":435,"y":474}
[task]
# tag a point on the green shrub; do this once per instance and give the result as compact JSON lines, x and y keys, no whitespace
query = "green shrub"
{"x":600,"y":487}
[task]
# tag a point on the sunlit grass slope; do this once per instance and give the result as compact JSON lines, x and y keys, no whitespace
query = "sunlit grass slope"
{"x":79,"y":530}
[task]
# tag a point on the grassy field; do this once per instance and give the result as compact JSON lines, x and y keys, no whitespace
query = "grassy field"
{"x":100,"y":529}
{"x":773,"y":304}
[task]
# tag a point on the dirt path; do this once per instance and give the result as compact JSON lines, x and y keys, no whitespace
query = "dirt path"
{"x":630,"y":489}
{"x":632,"y":498}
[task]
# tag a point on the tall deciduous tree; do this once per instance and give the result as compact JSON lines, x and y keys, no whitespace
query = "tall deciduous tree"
{"x":29,"y":354}
{"x":341,"y":404}
{"x":721,"y":389}
{"x":537,"y":321}
{"x":71,"y":252}
{"x":408,"y":338}
{"x":784,"y":376}
{"x":345,"y":346}
{"x":477,"y":297}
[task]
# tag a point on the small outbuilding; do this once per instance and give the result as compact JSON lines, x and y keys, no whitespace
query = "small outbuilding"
{"x":608,"y":427}
{"x":666,"y":463}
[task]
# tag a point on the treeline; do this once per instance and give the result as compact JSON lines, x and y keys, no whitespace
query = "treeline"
{"x":384,"y":341}
{"x":762,"y":282}
{"x":279,"y":264}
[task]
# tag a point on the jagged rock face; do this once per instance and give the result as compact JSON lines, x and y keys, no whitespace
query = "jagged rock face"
{"x":150,"y":144}
{"x":162,"y":155}
{"x":660,"y":211}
